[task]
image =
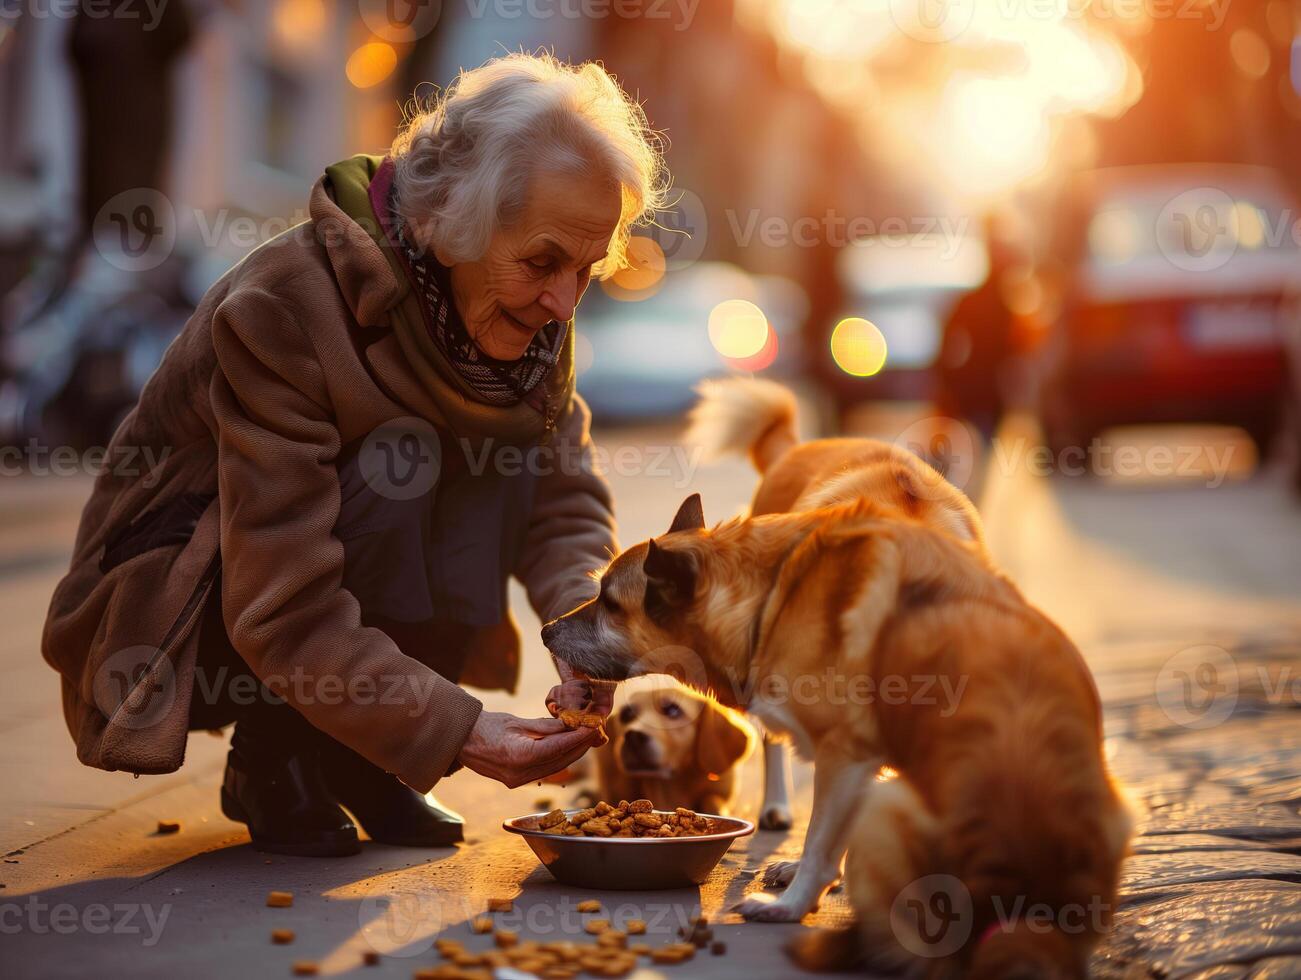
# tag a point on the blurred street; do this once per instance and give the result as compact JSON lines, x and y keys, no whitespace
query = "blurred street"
{"x":1186,"y":599}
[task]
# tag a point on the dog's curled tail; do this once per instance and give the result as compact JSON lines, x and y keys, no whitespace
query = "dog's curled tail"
{"x":744,"y":415}
{"x":826,"y":950}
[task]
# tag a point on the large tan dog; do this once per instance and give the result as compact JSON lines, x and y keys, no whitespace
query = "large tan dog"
{"x":872,"y":640}
{"x":673,"y":747}
{"x":757,"y":418}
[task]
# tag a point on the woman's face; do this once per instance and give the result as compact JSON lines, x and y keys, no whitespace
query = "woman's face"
{"x":537,"y":269}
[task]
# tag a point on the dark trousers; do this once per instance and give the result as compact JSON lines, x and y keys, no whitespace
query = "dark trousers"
{"x":386,"y":548}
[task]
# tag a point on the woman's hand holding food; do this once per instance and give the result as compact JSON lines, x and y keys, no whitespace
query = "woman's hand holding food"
{"x":515,"y":751}
{"x":578,"y":696}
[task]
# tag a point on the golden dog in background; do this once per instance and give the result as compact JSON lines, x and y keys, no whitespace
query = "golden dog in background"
{"x":673,"y":747}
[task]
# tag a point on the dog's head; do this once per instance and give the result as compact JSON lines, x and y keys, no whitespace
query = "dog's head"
{"x":665,"y":730}
{"x":644,"y":619}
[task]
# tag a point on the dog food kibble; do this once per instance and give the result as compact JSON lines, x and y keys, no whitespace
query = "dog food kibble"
{"x":305,"y":968}
{"x":698,"y":935}
{"x":718,"y":947}
{"x":636,"y":819}
{"x":574,"y":718}
{"x":640,"y":949}
{"x":505,"y":938}
{"x":635,"y":927}
{"x":481,"y":924}
{"x":596,"y":926}
{"x":370,"y":958}
{"x":612,"y":939}
{"x":500,"y":904}
{"x":168,"y":826}
{"x":589,"y":905}
{"x":553,"y":819}
{"x":282,"y":937}
{"x":673,"y":953}
{"x":280,"y":900}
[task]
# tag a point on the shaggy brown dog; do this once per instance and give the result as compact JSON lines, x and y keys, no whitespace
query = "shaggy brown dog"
{"x":870,"y":640}
{"x":758,"y":419}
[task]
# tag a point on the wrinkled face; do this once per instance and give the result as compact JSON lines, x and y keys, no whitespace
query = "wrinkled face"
{"x":654,"y":732}
{"x":537,"y":268}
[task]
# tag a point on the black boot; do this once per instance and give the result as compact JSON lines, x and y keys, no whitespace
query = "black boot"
{"x":390,"y":811}
{"x":285,"y":802}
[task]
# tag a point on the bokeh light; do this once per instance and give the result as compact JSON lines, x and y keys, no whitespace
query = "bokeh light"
{"x":371,"y":63}
{"x":758,"y":362}
{"x":1114,"y":234}
{"x":858,"y":347}
{"x":1248,"y":226}
{"x":646,"y":265}
{"x":298,"y":24}
{"x":584,"y":354}
{"x":1250,"y":53}
{"x":738,"y":329}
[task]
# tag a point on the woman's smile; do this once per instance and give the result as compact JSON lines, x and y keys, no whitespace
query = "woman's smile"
{"x":519,"y":324}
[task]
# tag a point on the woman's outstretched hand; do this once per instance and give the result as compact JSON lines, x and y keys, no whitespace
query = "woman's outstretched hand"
{"x":580,"y":692}
{"x":515,"y":751}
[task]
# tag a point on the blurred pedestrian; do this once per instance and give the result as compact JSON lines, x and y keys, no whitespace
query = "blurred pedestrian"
{"x":978,"y":341}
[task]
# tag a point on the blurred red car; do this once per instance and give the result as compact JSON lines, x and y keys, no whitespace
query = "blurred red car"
{"x":1173,"y":287}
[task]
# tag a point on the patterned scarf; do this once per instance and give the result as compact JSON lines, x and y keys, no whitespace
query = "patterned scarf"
{"x":495,"y":382}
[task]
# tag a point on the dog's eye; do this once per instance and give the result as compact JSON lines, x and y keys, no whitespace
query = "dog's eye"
{"x":627,"y":714}
{"x":670,"y":709}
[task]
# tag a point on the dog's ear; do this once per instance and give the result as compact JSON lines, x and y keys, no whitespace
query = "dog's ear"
{"x":670,"y":578}
{"x":722,"y":739}
{"x":690,"y":516}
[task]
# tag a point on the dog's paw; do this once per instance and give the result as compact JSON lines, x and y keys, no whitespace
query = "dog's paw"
{"x":779,"y":874}
{"x":764,"y":908}
{"x":776,"y":817}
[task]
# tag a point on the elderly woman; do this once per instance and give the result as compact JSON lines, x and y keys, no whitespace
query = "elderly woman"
{"x":367,"y":426}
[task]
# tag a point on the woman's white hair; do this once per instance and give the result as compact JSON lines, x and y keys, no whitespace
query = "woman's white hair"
{"x":463,"y":165}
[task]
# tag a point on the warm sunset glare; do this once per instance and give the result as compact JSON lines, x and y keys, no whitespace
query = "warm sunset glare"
{"x":474,"y":472}
{"x":371,"y":63}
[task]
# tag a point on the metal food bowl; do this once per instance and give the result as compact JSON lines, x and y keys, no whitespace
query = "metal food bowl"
{"x":630,"y":863}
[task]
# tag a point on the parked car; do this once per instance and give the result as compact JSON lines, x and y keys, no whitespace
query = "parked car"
{"x":1173,"y":285}
{"x":640,"y":356}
